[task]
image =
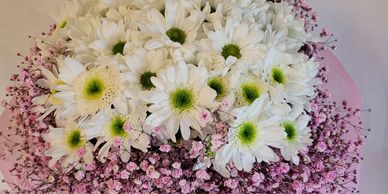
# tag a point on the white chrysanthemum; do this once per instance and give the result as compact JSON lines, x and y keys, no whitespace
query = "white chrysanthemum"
{"x":66,"y":18}
{"x":68,"y":142}
{"x":73,"y":10}
{"x":176,"y":28}
{"x":220,"y":84}
{"x":249,"y":138}
{"x":284,"y":20}
{"x":82,"y":32}
{"x":48,"y":103}
{"x":112,"y":39}
{"x":297,"y":139}
{"x":85,"y":92}
{"x":114,"y":128}
{"x":213,"y":9}
{"x":235,"y":42}
{"x":143,"y":65}
{"x":181,"y":94}
{"x":125,"y":14}
{"x":247,"y":88}
{"x":273,"y":78}
{"x":290,"y":78}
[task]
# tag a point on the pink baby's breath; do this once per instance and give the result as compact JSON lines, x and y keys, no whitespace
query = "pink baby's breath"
{"x":117,"y":142}
{"x":165,"y":148}
{"x":330,"y":176}
{"x":80,"y":152}
{"x":321,"y":146}
{"x":127,"y":126}
{"x":206,"y":116}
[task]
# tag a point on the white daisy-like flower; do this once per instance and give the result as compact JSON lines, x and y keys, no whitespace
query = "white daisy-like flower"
{"x":95,"y":41}
{"x":274,"y":39}
{"x":143,"y":65}
{"x":181,"y":94}
{"x":289,"y":78}
{"x":66,"y":18}
{"x":82,"y":32}
{"x":236,"y":42}
{"x":116,"y":129}
{"x":112,"y":39}
{"x":214,"y":9}
{"x":176,"y":28}
{"x":274,"y":79}
{"x":225,"y":95}
{"x":249,"y":138}
{"x":72,"y":10}
{"x":86,"y":91}
{"x":48,"y":103}
{"x":284,"y":20}
{"x":247,"y":87}
{"x":220,"y":84}
{"x":68,"y":142}
{"x":257,"y":8}
{"x":297,"y":139}
{"x":125,"y":14}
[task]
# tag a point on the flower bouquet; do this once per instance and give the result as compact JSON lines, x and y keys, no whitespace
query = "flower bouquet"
{"x":180,"y":96}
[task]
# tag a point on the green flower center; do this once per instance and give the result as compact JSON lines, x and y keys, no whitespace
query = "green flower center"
{"x":94,"y":89}
{"x":218,"y":85}
{"x":117,"y":126}
{"x":278,"y":75}
{"x":212,"y":9}
{"x":62,"y":24}
{"x":75,"y":140}
{"x":231,"y":50}
{"x":182,"y":99}
{"x":145,"y":80}
{"x":247,"y":133}
{"x":118,"y":48}
{"x":250,"y":92}
{"x":291,"y":131}
{"x":176,"y":35}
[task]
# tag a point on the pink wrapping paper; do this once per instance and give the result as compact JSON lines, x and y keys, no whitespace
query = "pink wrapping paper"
{"x":340,"y":85}
{"x":6,"y":165}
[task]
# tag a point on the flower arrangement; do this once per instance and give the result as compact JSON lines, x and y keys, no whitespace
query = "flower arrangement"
{"x":180,"y":96}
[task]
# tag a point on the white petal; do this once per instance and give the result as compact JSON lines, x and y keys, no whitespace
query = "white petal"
{"x":182,"y":73}
{"x":71,"y":70}
{"x":155,"y":120}
{"x":224,"y":154}
{"x":99,"y":45}
{"x":237,"y":160}
{"x":153,"y":44}
{"x":247,"y":162}
{"x":185,"y":130}
{"x":207,"y":96}
{"x":103,"y":153}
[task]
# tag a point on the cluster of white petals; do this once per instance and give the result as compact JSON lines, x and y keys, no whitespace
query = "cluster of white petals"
{"x":178,"y":65}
